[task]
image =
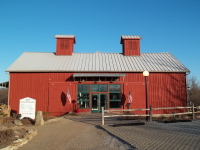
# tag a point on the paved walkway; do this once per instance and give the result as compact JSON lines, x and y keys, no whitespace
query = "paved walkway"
{"x":65,"y":134}
{"x":86,"y":132}
{"x":180,"y":136}
{"x":152,"y":136}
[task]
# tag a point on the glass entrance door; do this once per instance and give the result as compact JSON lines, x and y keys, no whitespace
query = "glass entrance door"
{"x":95,"y":102}
{"x":98,"y":101}
{"x":103,"y":101}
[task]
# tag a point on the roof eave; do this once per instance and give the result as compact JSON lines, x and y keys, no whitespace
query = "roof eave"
{"x":37,"y":71}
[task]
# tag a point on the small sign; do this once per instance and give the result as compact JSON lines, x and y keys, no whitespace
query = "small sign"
{"x":27,"y":107}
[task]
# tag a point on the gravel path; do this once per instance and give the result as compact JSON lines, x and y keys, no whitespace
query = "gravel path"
{"x":66,"y":134}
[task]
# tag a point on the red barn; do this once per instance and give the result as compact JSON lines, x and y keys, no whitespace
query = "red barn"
{"x":66,"y":81}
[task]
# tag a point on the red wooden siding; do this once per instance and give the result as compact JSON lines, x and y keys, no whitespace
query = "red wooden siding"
{"x":59,"y":104}
{"x":137,"y":90}
{"x":49,"y":89}
{"x":164,"y":89}
{"x":34,"y":85}
{"x":167,"y":90}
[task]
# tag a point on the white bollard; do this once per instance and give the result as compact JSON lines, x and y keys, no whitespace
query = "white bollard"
{"x":102,"y":112}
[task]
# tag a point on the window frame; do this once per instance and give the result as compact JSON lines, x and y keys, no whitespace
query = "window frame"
{"x":115,"y":100}
{"x":84,"y":92}
{"x":99,"y":88}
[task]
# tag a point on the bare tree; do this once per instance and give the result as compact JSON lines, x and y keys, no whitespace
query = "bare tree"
{"x":3,"y":95}
{"x":193,"y":87}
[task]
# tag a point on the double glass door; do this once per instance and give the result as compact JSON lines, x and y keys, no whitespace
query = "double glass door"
{"x":98,"y":101}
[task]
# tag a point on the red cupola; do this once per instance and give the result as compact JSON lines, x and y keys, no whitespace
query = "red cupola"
{"x":130,"y":45}
{"x":65,"y":44}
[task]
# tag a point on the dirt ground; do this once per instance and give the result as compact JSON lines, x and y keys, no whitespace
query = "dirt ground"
{"x":9,"y":132}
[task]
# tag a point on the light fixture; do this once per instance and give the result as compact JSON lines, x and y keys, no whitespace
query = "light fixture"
{"x":146,"y":74}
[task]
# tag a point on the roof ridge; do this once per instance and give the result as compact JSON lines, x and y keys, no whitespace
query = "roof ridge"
{"x":102,"y":52}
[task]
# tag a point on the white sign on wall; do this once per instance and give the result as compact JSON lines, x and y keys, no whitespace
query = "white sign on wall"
{"x":27,"y":107}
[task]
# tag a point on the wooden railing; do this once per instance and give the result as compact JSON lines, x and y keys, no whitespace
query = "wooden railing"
{"x":150,"y":115}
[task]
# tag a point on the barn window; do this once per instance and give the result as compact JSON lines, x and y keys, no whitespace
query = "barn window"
{"x":115,"y":96}
{"x":132,"y":45}
{"x":64,"y":44}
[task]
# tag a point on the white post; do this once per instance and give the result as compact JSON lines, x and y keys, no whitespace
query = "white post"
{"x":193,"y":111}
{"x":102,"y":112}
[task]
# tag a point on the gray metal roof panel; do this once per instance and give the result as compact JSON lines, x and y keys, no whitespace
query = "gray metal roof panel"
{"x":131,"y":37}
{"x":96,"y":62}
{"x":64,"y":36}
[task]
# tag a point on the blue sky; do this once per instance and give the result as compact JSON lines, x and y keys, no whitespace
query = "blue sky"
{"x":164,"y":25}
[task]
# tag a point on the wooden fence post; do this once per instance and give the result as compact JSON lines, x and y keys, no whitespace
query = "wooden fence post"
{"x":102,"y":112}
{"x":150,"y":113}
{"x":193,"y":111}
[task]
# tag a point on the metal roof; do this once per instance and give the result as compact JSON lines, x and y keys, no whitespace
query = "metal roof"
{"x":96,"y":62}
{"x":131,"y":37}
{"x":64,"y":36}
{"x":98,"y":75}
